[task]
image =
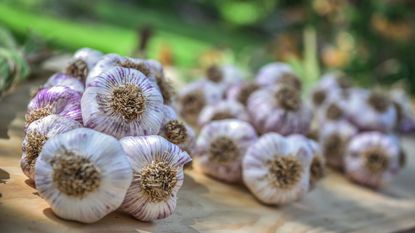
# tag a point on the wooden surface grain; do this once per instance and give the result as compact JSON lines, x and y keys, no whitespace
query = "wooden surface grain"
{"x":207,"y":205}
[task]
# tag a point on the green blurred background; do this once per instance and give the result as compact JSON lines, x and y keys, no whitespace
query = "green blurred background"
{"x":372,"y":40}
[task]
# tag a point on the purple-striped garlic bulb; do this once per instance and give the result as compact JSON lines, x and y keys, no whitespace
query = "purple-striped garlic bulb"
{"x":61,"y":79}
{"x":241,"y":91}
{"x":83,"y":175}
{"x":372,"y":111}
{"x":177,"y":131}
{"x":373,"y":159}
{"x":224,"y":75}
{"x":226,"y":109}
{"x":334,"y":137}
{"x":279,"y":109}
{"x":157,"y":176}
{"x":278,"y":73}
{"x":276,"y":169}
{"x":404,"y":110}
{"x":193,"y":97}
{"x":82,"y":63}
{"x":220,"y":148}
{"x":123,"y":102}
{"x":333,"y":109}
{"x":36,"y":136}
{"x":58,"y":100}
{"x":331,"y":84}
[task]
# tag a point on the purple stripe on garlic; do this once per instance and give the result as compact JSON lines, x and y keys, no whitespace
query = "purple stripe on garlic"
{"x":220,"y":148}
{"x":123,"y":102}
{"x":36,"y":136}
{"x":58,"y":100}
{"x":83,"y":175}
{"x":157,"y":176}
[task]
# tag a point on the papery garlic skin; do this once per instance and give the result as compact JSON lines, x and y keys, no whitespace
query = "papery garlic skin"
{"x":107,"y":62}
{"x":334,"y":108}
{"x":177,"y":131}
{"x":371,"y":111}
{"x":157,"y":176}
{"x":220,"y":148}
{"x":404,"y":110}
{"x":279,"y":109}
{"x":194,"y":96}
{"x":37,"y":134}
{"x":373,"y":159}
{"x":90,"y":56}
{"x":83,"y":175}
{"x":278,"y":73}
{"x":122,"y":102}
{"x":61,"y":79}
{"x":224,"y":75}
{"x":331,"y":85}
{"x":223,"y":110}
{"x":58,"y":100}
{"x":285,"y":182}
{"x":241,"y":91}
{"x":334,"y":137}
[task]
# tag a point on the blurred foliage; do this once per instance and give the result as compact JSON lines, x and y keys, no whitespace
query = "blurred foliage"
{"x":370,"y":40}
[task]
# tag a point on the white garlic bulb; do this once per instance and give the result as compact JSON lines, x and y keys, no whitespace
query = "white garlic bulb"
{"x":226,"y":109}
{"x":177,"y":131}
{"x":157,"y":176}
{"x":83,"y":175}
{"x":220,"y":148}
{"x":334,"y":137}
{"x":122,"y":102}
{"x":373,"y":159}
{"x":371,"y":111}
{"x":279,"y":109}
{"x":278,"y":73}
{"x":36,"y":136}
{"x":277,"y":169}
{"x":193,"y":97}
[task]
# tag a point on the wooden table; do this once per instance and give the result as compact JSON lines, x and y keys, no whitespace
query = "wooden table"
{"x":206,"y":205}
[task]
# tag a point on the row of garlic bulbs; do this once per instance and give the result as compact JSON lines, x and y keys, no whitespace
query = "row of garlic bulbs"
{"x":278,"y":167}
{"x":357,"y":128}
{"x":103,"y":135}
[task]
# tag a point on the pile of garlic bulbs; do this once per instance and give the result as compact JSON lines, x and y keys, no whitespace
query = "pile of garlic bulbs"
{"x":103,"y":135}
{"x":357,"y":128}
{"x":252,"y":131}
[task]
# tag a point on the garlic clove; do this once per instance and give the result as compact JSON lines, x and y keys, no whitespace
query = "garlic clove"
{"x":58,"y":100}
{"x":83,"y":175}
{"x":277,"y":169}
{"x":157,"y":176}
{"x":123,"y":102}
{"x":373,"y":159}
{"x":223,"y":110}
{"x":220,"y":148}
{"x":36,"y":136}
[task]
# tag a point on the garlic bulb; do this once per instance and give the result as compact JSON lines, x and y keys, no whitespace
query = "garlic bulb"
{"x":58,"y":100}
{"x":37,"y":134}
{"x":122,"y":102}
{"x":372,"y":111}
{"x":193,"y":97}
{"x":278,"y":73}
{"x":333,"y":84}
{"x":405,"y":113}
{"x":241,"y":91}
{"x":277,"y":169}
{"x":333,"y":109}
{"x":89,"y":56}
{"x":177,"y":131}
{"x":373,"y":159}
{"x":334,"y":137}
{"x":220,"y":148}
{"x":157,"y":176}
{"x":224,"y":75}
{"x":279,"y":109}
{"x":223,"y":110}
{"x":61,"y":79}
{"x":83,"y":175}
